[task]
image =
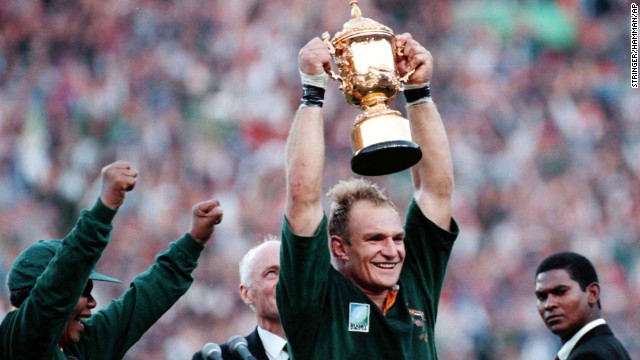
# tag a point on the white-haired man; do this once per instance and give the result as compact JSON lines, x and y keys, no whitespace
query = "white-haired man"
{"x":259,"y":271}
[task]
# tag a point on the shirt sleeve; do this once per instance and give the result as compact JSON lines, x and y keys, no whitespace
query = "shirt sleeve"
{"x":40,"y":320}
{"x":303,"y":279}
{"x":111,"y":332}
{"x":428,"y":249}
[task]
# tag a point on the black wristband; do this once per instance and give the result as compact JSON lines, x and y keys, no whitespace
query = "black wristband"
{"x":415,"y":95}
{"x":312,"y":96}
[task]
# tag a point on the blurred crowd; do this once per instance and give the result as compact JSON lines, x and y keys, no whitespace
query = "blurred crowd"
{"x":199,"y":95}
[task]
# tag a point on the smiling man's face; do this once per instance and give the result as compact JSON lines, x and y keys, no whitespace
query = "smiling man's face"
{"x":376,"y":251}
{"x":564,"y":307}
{"x":75,"y":327}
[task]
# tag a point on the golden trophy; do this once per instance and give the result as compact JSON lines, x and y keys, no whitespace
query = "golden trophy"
{"x":365,"y":53}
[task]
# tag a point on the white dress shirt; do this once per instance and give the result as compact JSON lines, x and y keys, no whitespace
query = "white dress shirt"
{"x":566,"y":349}
{"x":273,"y":345}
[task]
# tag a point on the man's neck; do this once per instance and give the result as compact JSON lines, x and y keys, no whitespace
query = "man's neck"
{"x":569,"y":344}
{"x":595,"y":315}
{"x":379,"y":299}
{"x":272,"y":326}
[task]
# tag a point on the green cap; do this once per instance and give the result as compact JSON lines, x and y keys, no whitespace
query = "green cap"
{"x":32,"y":262}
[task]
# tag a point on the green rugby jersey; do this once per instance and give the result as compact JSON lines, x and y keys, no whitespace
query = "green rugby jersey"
{"x":33,"y":330}
{"x":325,"y":316}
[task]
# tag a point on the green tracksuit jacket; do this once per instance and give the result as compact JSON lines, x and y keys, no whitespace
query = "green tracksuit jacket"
{"x":33,"y":331}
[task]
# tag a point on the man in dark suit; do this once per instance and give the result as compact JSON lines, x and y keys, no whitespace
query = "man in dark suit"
{"x":568,"y":296}
{"x":259,"y":270}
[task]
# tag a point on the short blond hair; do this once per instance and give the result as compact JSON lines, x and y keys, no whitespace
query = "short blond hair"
{"x":346,"y":193}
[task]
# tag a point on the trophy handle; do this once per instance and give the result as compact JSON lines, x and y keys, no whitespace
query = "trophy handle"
{"x":406,"y":77}
{"x":403,"y":80}
{"x":334,"y":76}
{"x":332,"y":51}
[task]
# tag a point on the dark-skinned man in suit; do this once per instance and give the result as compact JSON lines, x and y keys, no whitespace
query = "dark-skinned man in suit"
{"x":568,"y":300}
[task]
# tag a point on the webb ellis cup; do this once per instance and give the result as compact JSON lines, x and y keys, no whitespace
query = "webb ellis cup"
{"x":365,"y":53}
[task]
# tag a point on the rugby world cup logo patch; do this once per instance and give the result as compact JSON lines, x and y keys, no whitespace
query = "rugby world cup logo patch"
{"x":359,"y":317}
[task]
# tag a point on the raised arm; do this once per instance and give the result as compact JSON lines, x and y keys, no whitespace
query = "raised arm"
{"x":117,"y":178}
{"x":305,"y":148}
{"x":152,"y":293}
{"x":205,"y":215}
{"x":59,"y":273}
{"x":433,"y":175}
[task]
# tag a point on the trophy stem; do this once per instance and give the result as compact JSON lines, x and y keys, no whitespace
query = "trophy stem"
{"x":374,"y":102}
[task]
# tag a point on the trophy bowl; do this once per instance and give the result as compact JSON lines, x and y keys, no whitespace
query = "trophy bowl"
{"x":365,"y":55}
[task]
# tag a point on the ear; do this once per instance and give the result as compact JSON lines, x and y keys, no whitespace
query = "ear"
{"x":593,"y":293}
{"x":244,"y":294}
{"x":338,"y":248}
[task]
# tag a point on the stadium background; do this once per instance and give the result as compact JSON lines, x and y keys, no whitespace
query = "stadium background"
{"x":199,"y":95}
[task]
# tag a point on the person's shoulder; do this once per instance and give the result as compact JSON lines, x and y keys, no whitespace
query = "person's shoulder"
{"x":599,"y":343}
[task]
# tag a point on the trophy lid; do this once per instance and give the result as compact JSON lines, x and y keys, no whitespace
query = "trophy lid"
{"x":359,"y":25}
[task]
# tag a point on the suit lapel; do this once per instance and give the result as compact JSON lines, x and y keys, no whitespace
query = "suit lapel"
{"x":587,"y":339}
{"x":255,"y":345}
{"x":596,"y":331}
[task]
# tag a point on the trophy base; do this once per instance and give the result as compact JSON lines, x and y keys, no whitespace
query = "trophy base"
{"x":386,"y":158}
{"x":381,"y":144}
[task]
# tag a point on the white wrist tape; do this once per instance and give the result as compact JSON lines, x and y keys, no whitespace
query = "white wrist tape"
{"x":319,"y":80}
